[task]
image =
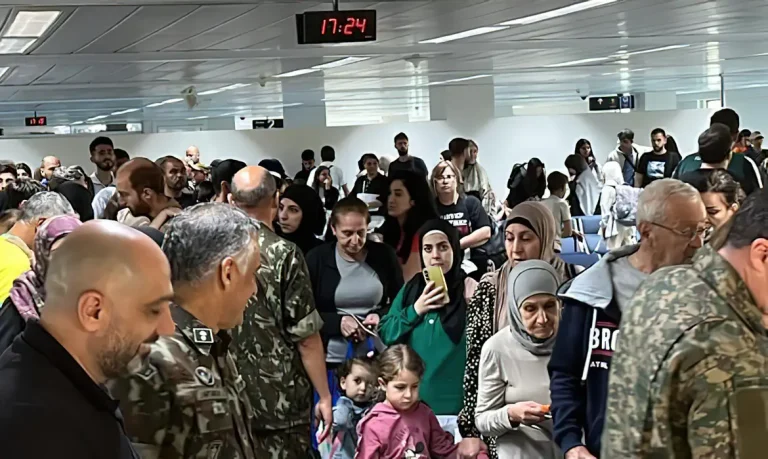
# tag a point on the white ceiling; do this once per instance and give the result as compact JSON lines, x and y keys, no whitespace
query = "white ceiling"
{"x":96,"y":60}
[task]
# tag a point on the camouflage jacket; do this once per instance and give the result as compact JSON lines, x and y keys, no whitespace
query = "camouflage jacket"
{"x":693,"y":353}
{"x":189,"y":400}
{"x":278,"y":317}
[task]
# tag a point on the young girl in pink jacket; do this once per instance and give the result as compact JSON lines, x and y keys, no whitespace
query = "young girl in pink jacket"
{"x":402,"y":427}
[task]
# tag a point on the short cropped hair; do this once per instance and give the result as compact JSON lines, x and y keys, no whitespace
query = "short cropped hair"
{"x":652,"y":203}
{"x":401,"y":136}
{"x":100,"y":141}
{"x":458,"y":146}
{"x":728,"y":117}
{"x":46,"y":204}
{"x":658,"y":131}
{"x":224,"y":172}
{"x":147,"y":175}
{"x":557,"y":181}
{"x":162,"y":161}
{"x":750,"y":222}
{"x":122,"y":154}
{"x":200,"y":237}
{"x":9,"y":169}
{"x":307,"y":155}
{"x":327,"y":153}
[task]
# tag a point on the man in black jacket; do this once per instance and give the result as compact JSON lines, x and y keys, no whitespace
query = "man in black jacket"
{"x":95,"y":324}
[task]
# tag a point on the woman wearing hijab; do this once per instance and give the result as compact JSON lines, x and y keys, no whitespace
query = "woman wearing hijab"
{"x":585,"y":189}
{"x":436,"y":330}
{"x":300,"y":217}
{"x":513,"y":391}
{"x":614,"y":234}
{"x":27,"y":295}
{"x":79,"y":197}
{"x":530,"y":234}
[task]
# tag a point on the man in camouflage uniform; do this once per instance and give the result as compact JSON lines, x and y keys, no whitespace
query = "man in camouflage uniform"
{"x":690,"y":377}
{"x":279,"y":348}
{"x":189,"y":400}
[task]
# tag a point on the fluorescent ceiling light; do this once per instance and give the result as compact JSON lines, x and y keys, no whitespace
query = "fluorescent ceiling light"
{"x":76,"y":123}
{"x":458,"y":80}
{"x":15,"y":45}
{"x":296,"y":73}
{"x":198,"y":117}
{"x":95,"y":118}
{"x":656,"y":50}
{"x":340,"y":63}
{"x":3,"y":70}
{"x":295,"y":104}
{"x":558,"y":12}
{"x":123,"y":112}
{"x":465,"y":34}
{"x":225,"y":88}
{"x":31,"y":23}
{"x":165,"y":102}
{"x":580,"y":61}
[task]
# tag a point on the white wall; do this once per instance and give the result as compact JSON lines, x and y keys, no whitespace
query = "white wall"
{"x":503,"y":141}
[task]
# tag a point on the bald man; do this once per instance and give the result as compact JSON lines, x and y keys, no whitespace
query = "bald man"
{"x":141,"y":189}
{"x":95,"y":324}
{"x":188,"y":400}
{"x":281,"y":325}
{"x":48,"y":165}
{"x":193,"y":154}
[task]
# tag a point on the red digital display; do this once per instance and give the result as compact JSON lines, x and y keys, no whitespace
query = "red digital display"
{"x":317,"y":27}
{"x":36,"y":121}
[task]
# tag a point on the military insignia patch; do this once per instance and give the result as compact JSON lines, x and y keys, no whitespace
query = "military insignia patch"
{"x":204,"y":375}
{"x":202,"y":335}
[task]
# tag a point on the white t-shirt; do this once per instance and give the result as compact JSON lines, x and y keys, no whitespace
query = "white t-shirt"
{"x":337,"y":175}
{"x":559,"y":209}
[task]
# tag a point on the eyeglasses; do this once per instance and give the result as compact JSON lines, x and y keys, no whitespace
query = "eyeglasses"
{"x":703,"y":233}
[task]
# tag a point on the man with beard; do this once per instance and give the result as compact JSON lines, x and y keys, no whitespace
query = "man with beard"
{"x":657,"y":164}
{"x":176,"y":181}
{"x":406,"y":162}
{"x":141,"y":189}
{"x":103,"y":156}
{"x":188,"y":399}
{"x":95,"y":322}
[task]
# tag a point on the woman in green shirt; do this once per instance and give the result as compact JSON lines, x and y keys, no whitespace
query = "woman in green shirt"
{"x":420,"y":318}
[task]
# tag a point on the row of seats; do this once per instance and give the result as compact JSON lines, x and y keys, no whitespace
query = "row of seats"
{"x":587,"y":252}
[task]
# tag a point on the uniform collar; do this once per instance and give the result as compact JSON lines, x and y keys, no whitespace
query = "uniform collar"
{"x":715,"y":270}
{"x":197,"y":335}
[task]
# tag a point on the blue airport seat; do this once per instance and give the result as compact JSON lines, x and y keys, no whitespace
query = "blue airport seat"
{"x":580,"y":259}
{"x":568,"y":245}
{"x":596,"y":244}
{"x":588,"y":224}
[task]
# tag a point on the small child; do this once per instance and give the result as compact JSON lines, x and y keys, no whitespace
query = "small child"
{"x":402,"y":427}
{"x":357,"y":380}
{"x":557,"y":183}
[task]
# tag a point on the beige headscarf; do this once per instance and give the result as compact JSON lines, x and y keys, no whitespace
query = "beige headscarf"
{"x":536,"y":216}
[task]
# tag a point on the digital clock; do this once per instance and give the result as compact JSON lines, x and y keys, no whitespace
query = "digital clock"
{"x":318,"y":27}
{"x":36,"y":121}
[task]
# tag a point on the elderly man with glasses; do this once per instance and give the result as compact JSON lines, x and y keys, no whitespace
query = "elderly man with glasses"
{"x":672,"y":221}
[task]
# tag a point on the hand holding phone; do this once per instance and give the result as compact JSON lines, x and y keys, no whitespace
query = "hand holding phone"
{"x":435,"y":274}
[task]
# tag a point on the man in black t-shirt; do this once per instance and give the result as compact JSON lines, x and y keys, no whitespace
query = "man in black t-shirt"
{"x":657,"y":164}
{"x":406,"y":162}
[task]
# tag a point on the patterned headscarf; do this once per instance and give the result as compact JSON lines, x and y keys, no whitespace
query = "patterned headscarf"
{"x":28,"y":292}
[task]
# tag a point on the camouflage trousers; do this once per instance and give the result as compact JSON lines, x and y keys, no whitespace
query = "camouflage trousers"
{"x":291,"y":443}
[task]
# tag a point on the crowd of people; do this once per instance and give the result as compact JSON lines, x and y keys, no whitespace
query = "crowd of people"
{"x":172,"y":309}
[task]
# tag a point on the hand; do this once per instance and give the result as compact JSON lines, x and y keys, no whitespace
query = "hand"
{"x":577,"y":235}
{"x":431,"y":298}
{"x":349,"y":327}
{"x":525,"y":413}
{"x":324,"y":412}
{"x":579,"y":452}
{"x":328,"y":182}
{"x":372,"y":321}
{"x":469,"y":448}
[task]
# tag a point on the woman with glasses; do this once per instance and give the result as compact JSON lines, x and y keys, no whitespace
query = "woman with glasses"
{"x":464,"y":212}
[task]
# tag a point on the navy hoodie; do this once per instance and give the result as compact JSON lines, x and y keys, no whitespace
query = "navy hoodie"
{"x":581,"y":360}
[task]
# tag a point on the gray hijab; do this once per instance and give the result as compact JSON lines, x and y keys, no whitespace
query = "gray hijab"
{"x":530,"y":278}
